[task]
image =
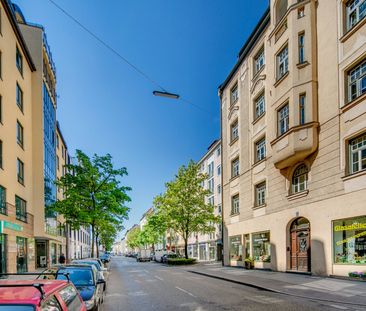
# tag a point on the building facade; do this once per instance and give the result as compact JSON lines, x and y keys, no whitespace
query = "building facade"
{"x":208,"y":247}
{"x":293,"y":140}
{"x":17,"y":247}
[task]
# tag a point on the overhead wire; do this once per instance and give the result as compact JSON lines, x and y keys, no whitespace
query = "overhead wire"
{"x":120,"y":56}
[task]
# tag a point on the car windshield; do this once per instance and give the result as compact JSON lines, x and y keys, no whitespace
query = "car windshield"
{"x":78,"y":276}
{"x":16,"y":308}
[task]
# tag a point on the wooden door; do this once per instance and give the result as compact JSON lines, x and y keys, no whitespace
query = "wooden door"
{"x":300,"y":250}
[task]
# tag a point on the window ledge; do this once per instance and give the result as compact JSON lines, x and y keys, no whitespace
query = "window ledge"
{"x":302,"y":65}
{"x":293,"y":129}
{"x":255,"y":207}
{"x":353,"y":103}
{"x":257,"y":74}
{"x":354,"y":29}
{"x":297,"y":195}
{"x":354,"y":175}
{"x":234,"y":141}
{"x":281,"y":79}
{"x":233,"y":178}
{"x":258,"y":118}
{"x":259,"y":162}
{"x":234,"y":214}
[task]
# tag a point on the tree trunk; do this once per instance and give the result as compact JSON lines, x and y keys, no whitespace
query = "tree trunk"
{"x":96,"y":243}
{"x":186,"y":247}
{"x":67,"y":243}
{"x":92,"y":241}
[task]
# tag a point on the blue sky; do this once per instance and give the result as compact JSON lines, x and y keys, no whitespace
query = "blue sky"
{"x":104,"y":106}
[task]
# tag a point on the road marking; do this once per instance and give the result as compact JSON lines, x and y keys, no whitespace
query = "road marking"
{"x":158,"y":277}
{"x":184,"y":291}
{"x":339,"y":307}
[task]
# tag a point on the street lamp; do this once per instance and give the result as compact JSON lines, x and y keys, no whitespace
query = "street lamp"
{"x":166,"y":94}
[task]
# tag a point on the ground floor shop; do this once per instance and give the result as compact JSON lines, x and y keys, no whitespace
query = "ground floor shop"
{"x":48,"y":252}
{"x":206,"y":251}
{"x":324,"y":238}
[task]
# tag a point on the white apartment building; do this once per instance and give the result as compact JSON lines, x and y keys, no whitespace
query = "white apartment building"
{"x":80,"y":243}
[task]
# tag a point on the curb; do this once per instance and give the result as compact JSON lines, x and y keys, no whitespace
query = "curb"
{"x":274,"y":290}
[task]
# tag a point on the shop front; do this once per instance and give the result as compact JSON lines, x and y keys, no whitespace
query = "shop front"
{"x":2,"y":253}
{"x":236,"y":251}
{"x":261,"y":249}
{"x":349,"y":245}
{"x":22,"y":254}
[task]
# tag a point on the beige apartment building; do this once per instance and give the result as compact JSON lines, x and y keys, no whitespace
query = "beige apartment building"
{"x":293,"y":113}
{"x":17,"y":247}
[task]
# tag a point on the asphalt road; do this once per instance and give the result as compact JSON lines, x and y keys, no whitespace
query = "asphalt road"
{"x":136,"y":286}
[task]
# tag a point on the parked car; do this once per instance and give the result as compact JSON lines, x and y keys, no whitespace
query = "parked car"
{"x":105,"y":258}
{"x":86,"y":280}
{"x":101,"y":270}
{"x":98,"y":260}
{"x":165,"y":257}
{"x":39,"y":295}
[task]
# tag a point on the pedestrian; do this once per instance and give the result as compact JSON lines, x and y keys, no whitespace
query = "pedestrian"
{"x":62,"y":259}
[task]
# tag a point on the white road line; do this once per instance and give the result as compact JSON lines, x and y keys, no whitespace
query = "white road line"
{"x":184,"y":291}
{"x":339,"y":307}
{"x":158,"y":277}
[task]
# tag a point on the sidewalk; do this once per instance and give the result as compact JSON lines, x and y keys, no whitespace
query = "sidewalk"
{"x":307,"y":286}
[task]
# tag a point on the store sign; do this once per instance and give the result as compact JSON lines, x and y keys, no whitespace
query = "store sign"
{"x":354,"y":226}
{"x":9,"y":225}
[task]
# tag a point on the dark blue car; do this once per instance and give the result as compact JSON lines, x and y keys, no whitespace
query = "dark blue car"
{"x":86,"y":280}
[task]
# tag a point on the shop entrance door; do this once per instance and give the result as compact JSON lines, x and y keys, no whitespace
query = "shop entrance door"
{"x":2,"y":254}
{"x":300,"y":245}
{"x":41,"y":251}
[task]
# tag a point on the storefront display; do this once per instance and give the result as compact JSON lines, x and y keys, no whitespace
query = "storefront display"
{"x":349,"y":241}
{"x":261,"y":247}
{"x":21,"y":254}
{"x":236,"y":251}
{"x":2,"y":253}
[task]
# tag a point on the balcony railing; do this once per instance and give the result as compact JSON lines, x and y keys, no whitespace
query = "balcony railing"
{"x":10,"y":211}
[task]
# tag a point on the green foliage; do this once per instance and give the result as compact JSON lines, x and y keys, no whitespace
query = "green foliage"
{"x":133,"y":238}
{"x":181,"y":261}
{"x":93,"y":195}
{"x":182,"y":207}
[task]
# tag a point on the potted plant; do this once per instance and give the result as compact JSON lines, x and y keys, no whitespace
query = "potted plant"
{"x":249,"y":263}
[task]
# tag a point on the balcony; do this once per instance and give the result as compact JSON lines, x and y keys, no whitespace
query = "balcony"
{"x":295,"y":145}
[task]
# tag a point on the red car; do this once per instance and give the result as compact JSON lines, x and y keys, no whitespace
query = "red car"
{"x":39,"y":295}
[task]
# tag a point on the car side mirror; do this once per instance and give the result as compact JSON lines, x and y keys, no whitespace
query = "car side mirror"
{"x":101,"y":281}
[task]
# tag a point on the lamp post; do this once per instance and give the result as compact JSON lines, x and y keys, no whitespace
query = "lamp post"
{"x":166,"y":94}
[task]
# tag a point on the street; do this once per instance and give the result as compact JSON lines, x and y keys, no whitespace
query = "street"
{"x":153,"y":286}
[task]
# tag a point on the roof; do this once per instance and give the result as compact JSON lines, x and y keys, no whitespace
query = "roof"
{"x":9,"y":10}
{"x":210,"y":149}
{"x":27,"y":294}
{"x":248,"y":45}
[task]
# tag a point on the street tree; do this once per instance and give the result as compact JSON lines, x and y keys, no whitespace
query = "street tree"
{"x":133,"y":238}
{"x":153,"y":231}
{"x":93,"y":195}
{"x":183,"y":205}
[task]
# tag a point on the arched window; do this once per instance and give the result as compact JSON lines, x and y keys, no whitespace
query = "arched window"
{"x":300,"y":179}
{"x":281,"y":8}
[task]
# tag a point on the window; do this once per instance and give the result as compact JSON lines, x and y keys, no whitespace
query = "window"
{"x":260,"y":194}
{"x":281,"y":9}
{"x":301,"y":12}
{"x":349,"y":241}
{"x":1,"y":58}
{"x":234,"y":94}
{"x":63,"y":151}
{"x":260,"y":106}
{"x":58,"y":163}
{"x":235,"y":204}
{"x":211,"y":185}
{"x":211,"y":201}
{"x":70,"y":297}
{"x":21,"y":209}
{"x":19,"y":61}
{"x":302,"y":102}
{"x":282,"y":63}
{"x":357,"y":81}
{"x":219,"y":209}
{"x":283,"y":120}
{"x":57,"y":141}
{"x":357,"y":154}
{"x":261,"y":247}
{"x":21,"y":254}
{"x":218,"y":151}
{"x":234,"y":131}
{"x":301,"y":47}
{"x":20,"y":171}
{"x":259,"y":61}
{"x":219,"y":189}
{"x":219,"y":170}
{"x":300,"y":179}
{"x":210,"y":168}
{"x":19,"y":97}
{"x":235,"y":168}
{"x":236,"y":249}
{"x":20,"y":134}
{"x":2,"y":200}
{"x":260,"y":149}
{"x":355,"y":11}
{"x":1,"y":154}
{"x":51,"y":304}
